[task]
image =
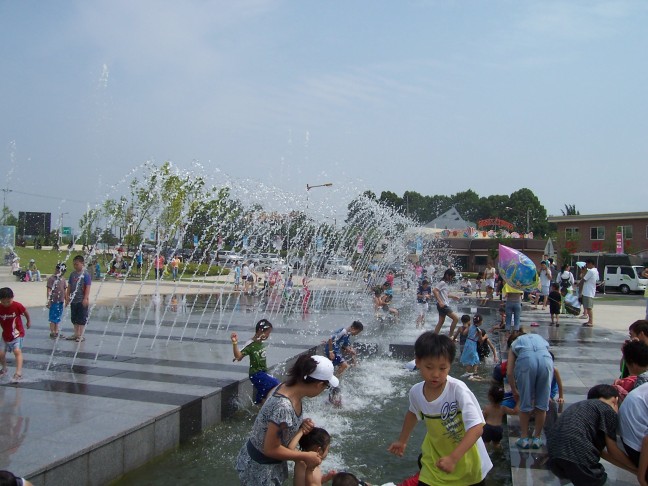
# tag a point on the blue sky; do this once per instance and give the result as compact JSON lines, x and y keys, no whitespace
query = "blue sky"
{"x":431,"y":96}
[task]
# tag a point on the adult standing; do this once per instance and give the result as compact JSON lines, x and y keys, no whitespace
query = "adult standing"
{"x":489,"y":275}
{"x":529,"y":372}
{"x":513,"y":307}
{"x":174,"y":263}
{"x":262,"y":461}
{"x":545,"y":282}
{"x":589,"y":291}
{"x":158,"y":263}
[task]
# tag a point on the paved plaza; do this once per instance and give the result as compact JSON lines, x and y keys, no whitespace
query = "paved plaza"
{"x":85,"y":413}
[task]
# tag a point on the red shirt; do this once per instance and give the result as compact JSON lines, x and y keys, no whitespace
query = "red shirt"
{"x":413,"y":481}
{"x":12,"y":326}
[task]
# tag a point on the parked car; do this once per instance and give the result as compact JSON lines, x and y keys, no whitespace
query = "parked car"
{"x":270,"y":260}
{"x":252,"y":258}
{"x":338,"y":265}
{"x":228,"y":257}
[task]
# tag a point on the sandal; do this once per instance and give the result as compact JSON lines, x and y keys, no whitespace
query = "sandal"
{"x":588,"y":324}
{"x":16,"y":378}
{"x":80,"y":339}
{"x":3,"y":372}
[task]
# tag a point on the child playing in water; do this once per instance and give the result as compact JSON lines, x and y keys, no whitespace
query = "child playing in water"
{"x":638,"y":331}
{"x":442,"y":294}
{"x":469,"y":356}
{"x":462,"y":332}
{"x":555,"y":301}
{"x":453,"y":451}
{"x":579,"y":437}
{"x":13,"y":331}
{"x":262,"y":381}
{"x":317,"y":440}
{"x":501,"y":323}
{"x":494,"y":412}
{"x":489,"y":296}
{"x":478,"y":285}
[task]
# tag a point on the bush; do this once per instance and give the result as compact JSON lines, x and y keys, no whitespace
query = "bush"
{"x":203,"y":270}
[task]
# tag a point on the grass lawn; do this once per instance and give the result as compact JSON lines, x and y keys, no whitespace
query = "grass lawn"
{"x":46,"y":261}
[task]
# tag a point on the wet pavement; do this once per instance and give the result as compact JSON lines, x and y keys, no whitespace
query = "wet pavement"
{"x":87,"y":412}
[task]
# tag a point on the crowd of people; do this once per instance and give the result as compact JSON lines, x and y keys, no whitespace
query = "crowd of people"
{"x":454,"y":450}
{"x":459,"y":431}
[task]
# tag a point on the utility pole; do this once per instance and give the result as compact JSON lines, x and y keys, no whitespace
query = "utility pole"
{"x":4,"y":204}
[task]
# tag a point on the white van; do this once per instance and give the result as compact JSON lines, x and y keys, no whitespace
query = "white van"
{"x":625,"y":278}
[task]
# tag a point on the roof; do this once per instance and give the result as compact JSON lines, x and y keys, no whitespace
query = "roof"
{"x":597,"y":217}
{"x":451,"y":219}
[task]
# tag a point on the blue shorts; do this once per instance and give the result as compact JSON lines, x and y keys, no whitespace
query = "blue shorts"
{"x":11,"y":347}
{"x":55,"y":312}
{"x":263,"y":383}
{"x":533,"y":375}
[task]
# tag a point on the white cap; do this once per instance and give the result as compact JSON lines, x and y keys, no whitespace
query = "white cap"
{"x":324,"y":371}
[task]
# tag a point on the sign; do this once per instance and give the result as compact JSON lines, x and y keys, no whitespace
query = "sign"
{"x":360,"y":247}
{"x":319,"y":244}
{"x":619,"y":242}
{"x":35,"y":223}
{"x":495,"y":222}
{"x":66,"y":230}
{"x":7,"y":236}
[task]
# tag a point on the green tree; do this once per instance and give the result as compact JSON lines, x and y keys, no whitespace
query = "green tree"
{"x":570,"y":210}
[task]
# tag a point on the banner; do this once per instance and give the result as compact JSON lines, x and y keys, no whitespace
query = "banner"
{"x":619,"y":242}
{"x":319,"y":244}
{"x":246,"y":243}
{"x":360,"y":245}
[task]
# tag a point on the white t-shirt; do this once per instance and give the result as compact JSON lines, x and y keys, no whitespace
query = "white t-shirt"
{"x":447,"y":418}
{"x":443,"y":289}
{"x":633,"y":419}
{"x":590,"y":278}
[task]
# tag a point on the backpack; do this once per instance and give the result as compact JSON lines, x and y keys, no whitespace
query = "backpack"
{"x":483,"y":350}
{"x":564,"y":283}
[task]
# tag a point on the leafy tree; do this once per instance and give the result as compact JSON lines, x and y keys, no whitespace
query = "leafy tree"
{"x":570,"y":210}
{"x":392,"y":200}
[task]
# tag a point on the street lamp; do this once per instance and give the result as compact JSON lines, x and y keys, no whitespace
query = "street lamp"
{"x":328,"y":184}
{"x":309,"y":187}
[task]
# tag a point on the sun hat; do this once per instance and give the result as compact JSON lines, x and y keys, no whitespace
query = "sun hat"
{"x":324,"y":371}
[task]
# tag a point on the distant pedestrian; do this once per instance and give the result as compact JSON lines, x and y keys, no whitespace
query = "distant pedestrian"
{"x":158,"y":263}
{"x":588,"y":286}
{"x":56,"y":287}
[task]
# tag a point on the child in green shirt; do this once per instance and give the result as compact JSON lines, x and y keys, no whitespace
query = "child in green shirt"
{"x":262,"y":381}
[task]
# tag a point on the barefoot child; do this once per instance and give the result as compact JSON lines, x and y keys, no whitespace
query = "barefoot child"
{"x":442,"y":294}
{"x":555,"y":302}
{"x":462,"y":332}
{"x":56,"y":286}
{"x":262,"y":381}
{"x":13,"y":331}
{"x":453,"y":451}
{"x":494,"y":412}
